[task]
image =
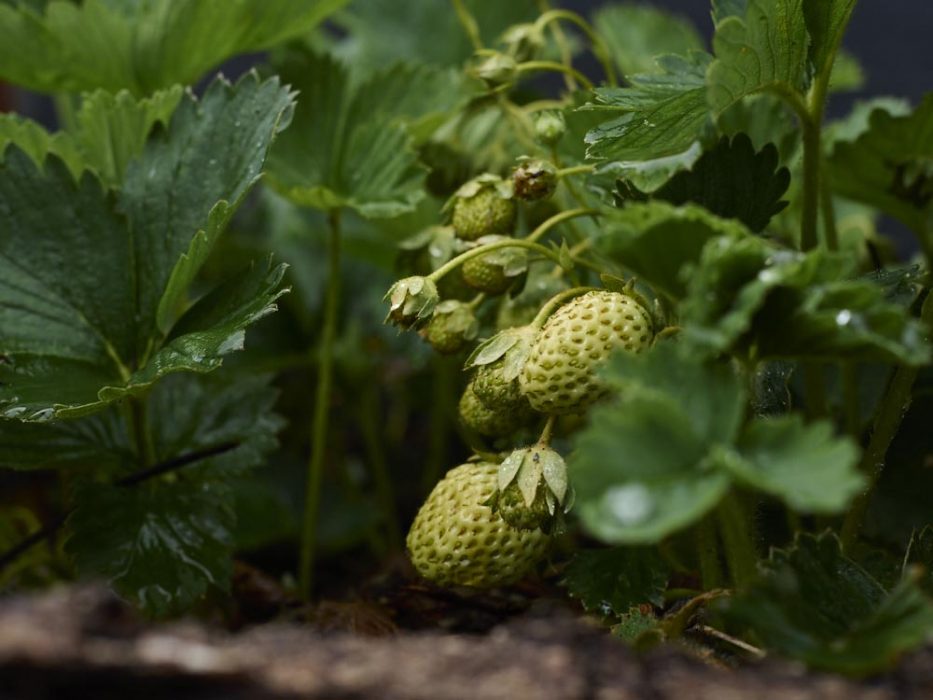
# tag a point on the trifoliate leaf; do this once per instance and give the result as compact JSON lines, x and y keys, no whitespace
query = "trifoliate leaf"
{"x":338,"y":153}
{"x":637,"y":34}
{"x":747,"y":295}
{"x":890,"y":166}
{"x":812,"y":603}
{"x":163,"y":543}
{"x":633,"y":236}
{"x":805,"y":465}
{"x":764,"y":50}
{"x":610,"y":581}
{"x":72,"y":339}
{"x":731,"y":180}
{"x":141,"y":46}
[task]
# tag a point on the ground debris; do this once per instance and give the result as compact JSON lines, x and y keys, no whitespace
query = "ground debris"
{"x":80,"y":642}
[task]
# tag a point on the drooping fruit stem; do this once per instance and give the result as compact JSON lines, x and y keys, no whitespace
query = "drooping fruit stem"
{"x":598,"y":46}
{"x":557,"y":300}
{"x":321,"y":409}
{"x":554,"y":66}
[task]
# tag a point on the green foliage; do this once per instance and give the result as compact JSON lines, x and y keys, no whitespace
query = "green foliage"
{"x":678,"y":421}
{"x":75,"y":341}
{"x":747,"y":296}
{"x":165,"y":542}
{"x":812,"y":603}
{"x":731,"y":180}
{"x":348,"y":146}
{"x":638,"y":34}
{"x":141,"y":46}
{"x":611,"y":581}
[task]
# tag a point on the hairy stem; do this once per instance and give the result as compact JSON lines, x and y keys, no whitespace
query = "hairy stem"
{"x":321,"y":410}
{"x":482,"y":250}
{"x":556,"y":67}
{"x":556,"y":301}
{"x":598,"y":46}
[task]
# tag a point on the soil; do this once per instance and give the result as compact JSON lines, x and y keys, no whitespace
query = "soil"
{"x":82,"y":642}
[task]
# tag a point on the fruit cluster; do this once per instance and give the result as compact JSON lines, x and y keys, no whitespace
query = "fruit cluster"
{"x":488,"y":522}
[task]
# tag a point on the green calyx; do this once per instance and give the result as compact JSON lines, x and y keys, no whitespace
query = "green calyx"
{"x":411,"y":301}
{"x":532,"y":488}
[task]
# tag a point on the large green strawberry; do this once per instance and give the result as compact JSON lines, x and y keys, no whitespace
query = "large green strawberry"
{"x":560,"y":374}
{"x":457,"y":539}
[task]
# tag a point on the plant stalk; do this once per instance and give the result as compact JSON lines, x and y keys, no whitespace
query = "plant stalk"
{"x":737,"y":532}
{"x":708,"y":553}
{"x":321,"y":410}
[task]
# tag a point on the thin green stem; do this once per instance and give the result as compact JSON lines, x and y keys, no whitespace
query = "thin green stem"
{"x":545,"y":438}
{"x":576,"y":170}
{"x":737,"y":531}
{"x":828,"y":210}
{"x":566,"y":54}
{"x":811,"y":182}
{"x":524,"y":128}
{"x":599,"y":48}
{"x":555,"y":301}
{"x":370,"y":425}
{"x":556,"y":67}
{"x":482,"y":250}
{"x":888,"y":417}
{"x":469,"y":24}
{"x":321,"y":410}
{"x":546,"y":226}
{"x":708,"y":553}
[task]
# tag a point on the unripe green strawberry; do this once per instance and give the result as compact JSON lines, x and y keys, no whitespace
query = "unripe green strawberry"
{"x":486,"y":421}
{"x":550,"y":128}
{"x":483,"y":207}
{"x":532,"y":488}
{"x":499,"y":362}
{"x":560,"y":375}
{"x":494,"y":272}
{"x":496,"y":69}
{"x":534,"y":179}
{"x":411,"y":301}
{"x":458,"y":540}
{"x":451,"y":327}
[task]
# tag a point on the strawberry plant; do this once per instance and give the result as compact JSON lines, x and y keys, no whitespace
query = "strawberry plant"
{"x":646,"y":282}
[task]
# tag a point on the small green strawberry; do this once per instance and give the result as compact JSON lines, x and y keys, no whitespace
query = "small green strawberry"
{"x":499,"y":362}
{"x":411,"y":301}
{"x":489,"y":422}
{"x":494,"y":272}
{"x":451,"y":327}
{"x":495,"y":69}
{"x":550,"y":128}
{"x":457,"y":540}
{"x":534,"y":179}
{"x":483,"y":207}
{"x":532,"y":488}
{"x":560,"y":374}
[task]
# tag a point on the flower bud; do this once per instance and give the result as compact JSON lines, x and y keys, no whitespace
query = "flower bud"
{"x":550,"y":127}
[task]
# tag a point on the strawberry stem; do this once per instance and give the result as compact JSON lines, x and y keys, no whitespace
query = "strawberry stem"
{"x":598,"y":46}
{"x":557,"y":300}
{"x":545,"y":438}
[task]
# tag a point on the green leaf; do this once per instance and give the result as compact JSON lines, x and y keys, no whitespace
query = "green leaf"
{"x":747,"y":294}
{"x":637,"y":34}
{"x":661,"y":116}
{"x":37,"y":143}
{"x":764,"y":50}
{"x":812,"y":603}
{"x":610,"y":581}
{"x":731,"y":180}
{"x":343,"y":150}
{"x":163,"y":543}
{"x":805,"y":465}
{"x":383,"y":32}
{"x":141,"y":46}
{"x":633,"y":236}
{"x":74,"y":340}
{"x":826,"y":23}
{"x":111,"y":129}
{"x":97,"y":442}
{"x":669,"y":412}
{"x":890,"y":166}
